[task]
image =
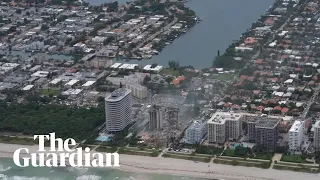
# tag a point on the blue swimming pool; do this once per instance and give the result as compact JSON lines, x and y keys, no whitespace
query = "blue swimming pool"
{"x":104,"y":138}
{"x":235,"y":145}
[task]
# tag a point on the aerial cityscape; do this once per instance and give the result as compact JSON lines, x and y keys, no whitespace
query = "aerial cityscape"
{"x":89,"y":72}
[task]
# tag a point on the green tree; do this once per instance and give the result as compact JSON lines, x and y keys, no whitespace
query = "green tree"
{"x":173,"y":64}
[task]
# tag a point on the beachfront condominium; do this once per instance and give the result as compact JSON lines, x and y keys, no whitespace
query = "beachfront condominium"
{"x":296,"y":136}
{"x":316,"y":136}
{"x":118,"y":109}
{"x":264,"y":131}
{"x":195,"y":132}
{"x":156,"y":117}
{"x":224,"y":126}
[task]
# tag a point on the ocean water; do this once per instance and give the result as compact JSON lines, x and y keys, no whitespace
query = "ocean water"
{"x":9,"y":171}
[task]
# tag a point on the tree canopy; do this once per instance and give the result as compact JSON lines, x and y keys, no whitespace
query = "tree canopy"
{"x":33,"y":118}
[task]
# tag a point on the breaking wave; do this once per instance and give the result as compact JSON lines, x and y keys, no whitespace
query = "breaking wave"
{"x":3,"y":169}
{"x":4,"y":177}
{"x":78,"y":170}
{"x":88,"y":177}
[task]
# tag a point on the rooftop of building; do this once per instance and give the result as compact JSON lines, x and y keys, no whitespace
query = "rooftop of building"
{"x":172,"y":109}
{"x":296,"y":126}
{"x":136,"y":85}
{"x":222,"y":117}
{"x":317,"y":124}
{"x":264,"y":122}
{"x":197,"y":125}
{"x":118,"y":94}
{"x":155,"y":108}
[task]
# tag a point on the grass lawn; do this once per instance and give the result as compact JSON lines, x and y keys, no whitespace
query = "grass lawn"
{"x":50,"y":92}
{"x":229,"y":152}
{"x":293,"y":158}
{"x":152,"y":153}
{"x":169,"y":71}
{"x":187,"y":157}
{"x":224,"y":77}
{"x":266,"y":156}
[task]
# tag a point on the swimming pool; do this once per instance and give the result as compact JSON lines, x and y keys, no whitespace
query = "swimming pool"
{"x":235,"y":145}
{"x":104,"y":138}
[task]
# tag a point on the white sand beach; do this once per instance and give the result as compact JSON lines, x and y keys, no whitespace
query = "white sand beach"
{"x":159,"y":165}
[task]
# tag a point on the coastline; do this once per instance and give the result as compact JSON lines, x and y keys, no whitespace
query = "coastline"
{"x":168,"y":166}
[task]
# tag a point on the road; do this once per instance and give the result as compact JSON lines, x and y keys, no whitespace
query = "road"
{"x":312,"y":99}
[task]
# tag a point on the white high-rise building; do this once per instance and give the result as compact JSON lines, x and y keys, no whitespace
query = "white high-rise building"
{"x":195,"y":132}
{"x":223,"y":126}
{"x":118,"y":109}
{"x":316,"y":136}
{"x":296,"y":135}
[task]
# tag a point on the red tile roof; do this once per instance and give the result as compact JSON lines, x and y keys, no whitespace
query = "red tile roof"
{"x":277,"y":108}
{"x":259,"y":61}
{"x":284,"y":110}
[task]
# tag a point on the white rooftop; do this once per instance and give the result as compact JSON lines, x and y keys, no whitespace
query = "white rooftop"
{"x":88,"y":83}
{"x":27,"y":87}
{"x":124,"y":66}
{"x":222,"y":117}
{"x":132,"y":66}
{"x":40,"y":74}
{"x":72,"y":92}
{"x":71,"y":82}
{"x":157,"y":68}
{"x":55,"y":81}
{"x":296,"y":126}
{"x":317,"y":124}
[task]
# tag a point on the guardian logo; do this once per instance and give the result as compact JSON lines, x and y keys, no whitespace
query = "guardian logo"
{"x":62,"y":155}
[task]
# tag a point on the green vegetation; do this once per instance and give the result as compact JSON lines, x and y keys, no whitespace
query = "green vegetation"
{"x":265,"y":156}
{"x":228,"y":62}
{"x":34,"y":118}
{"x":317,"y":157}
{"x":169,"y":71}
{"x":293,"y":158}
{"x":238,"y":152}
{"x":229,"y":152}
{"x":246,"y":152}
{"x":187,"y":157}
{"x":244,"y":162}
{"x":299,"y":168}
{"x":174,"y":64}
{"x":50,"y":92}
{"x":152,"y":153}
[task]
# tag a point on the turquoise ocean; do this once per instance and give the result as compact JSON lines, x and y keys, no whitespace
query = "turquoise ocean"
{"x":9,"y":171}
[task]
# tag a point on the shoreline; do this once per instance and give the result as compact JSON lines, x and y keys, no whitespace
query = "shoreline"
{"x":178,"y":167}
